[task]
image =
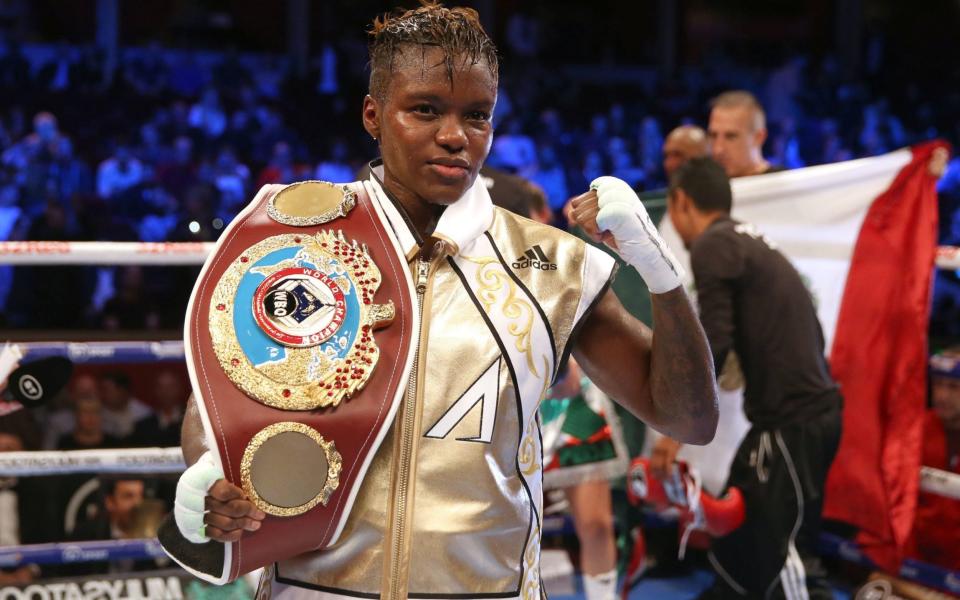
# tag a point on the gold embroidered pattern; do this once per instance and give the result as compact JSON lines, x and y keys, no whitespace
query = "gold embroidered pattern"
{"x":531,"y":560}
{"x":529,"y":455}
{"x":491,"y":279}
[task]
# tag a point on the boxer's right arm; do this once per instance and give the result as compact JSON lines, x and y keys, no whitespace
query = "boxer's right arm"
{"x":227,"y":513}
{"x":191,"y":433}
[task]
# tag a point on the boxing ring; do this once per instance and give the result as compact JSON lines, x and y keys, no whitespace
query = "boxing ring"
{"x":169,"y":461}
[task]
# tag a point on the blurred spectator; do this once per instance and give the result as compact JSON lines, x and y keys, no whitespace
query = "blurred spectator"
{"x":179,"y":174}
{"x":737,"y":131}
{"x":593,"y":167}
{"x":620,"y":127}
{"x":151,"y":150}
{"x":70,"y":495}
{"x":88,"y":427}
{"x":115,"y":518}
{"x":623,"y":165}
{"x":119,"y":172}
{"x":60,"y":419}
{"x":785,"y":147}
{"x":232,"y":180}
{"x":513,"y":150}
{"x":12,"y":226}
{"x":599,"y":134}
{"x":207,"y":115}
{"x":550,"y":176}
{"x":121,"y":411}
{"x":327,"y":82}
{"x":22,"y":516}
{"x":131,"y":307}
{"x":46,"y":136}
{"x":120,"y":498}
{"x":335,"y":168}
{"x":10,"y":212}
{"x":523,"y":35}
{"x":163,"y":427}
{"x":281,"y":168}
{"x":650,"y":143}
{"x":162,"y":218}
{"x":937,"y":519}
{"x":57,"y":174}
{"x":682,"y":144}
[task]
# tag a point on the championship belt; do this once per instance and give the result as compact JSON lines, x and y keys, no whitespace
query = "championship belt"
{"x":298,"y":336}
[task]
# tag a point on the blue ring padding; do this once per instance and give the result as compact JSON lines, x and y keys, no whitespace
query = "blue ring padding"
{"x":92,"y":353}
{"x":911,"y":569}
{"x":80,"y":552}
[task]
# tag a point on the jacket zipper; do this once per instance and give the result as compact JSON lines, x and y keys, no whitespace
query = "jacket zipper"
{"x":395,"y":588}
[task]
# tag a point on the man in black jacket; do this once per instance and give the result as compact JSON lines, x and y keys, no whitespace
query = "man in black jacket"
{"x":754,"y":302}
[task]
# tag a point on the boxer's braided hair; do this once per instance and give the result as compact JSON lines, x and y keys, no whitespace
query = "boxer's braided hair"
{"x":456,"y":31}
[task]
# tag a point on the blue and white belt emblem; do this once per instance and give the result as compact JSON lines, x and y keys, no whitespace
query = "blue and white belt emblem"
{"x":292,"y":320}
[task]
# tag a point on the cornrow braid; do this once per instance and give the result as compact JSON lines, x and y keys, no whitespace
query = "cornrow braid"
{"x":456,"y":31}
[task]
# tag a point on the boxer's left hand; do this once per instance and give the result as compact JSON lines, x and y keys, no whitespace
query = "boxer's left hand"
{"x":615,"y":215}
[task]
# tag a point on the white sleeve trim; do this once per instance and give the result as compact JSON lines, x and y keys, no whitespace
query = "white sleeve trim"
{"x":597,"y":268}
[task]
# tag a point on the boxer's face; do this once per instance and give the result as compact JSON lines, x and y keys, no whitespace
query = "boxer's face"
{"x":434,"y":132}
{"x":735,"y":142}
{"x":127,"y":495}
{"x":678,"y":150}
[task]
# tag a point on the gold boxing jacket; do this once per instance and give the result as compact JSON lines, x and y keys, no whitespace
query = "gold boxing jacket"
{"x":451,"y":504}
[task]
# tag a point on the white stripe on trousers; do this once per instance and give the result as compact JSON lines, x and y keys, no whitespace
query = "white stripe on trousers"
{"x":793,"y":576}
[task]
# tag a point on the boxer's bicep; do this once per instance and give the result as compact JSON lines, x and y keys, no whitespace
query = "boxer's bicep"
{"x":613,"y":349}
{"x":665,"y":379}
{"x":192,"y":438}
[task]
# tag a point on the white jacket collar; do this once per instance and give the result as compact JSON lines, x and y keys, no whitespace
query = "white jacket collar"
{"x":462,"y":222}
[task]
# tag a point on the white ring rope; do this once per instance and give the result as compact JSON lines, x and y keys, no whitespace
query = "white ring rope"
{"x":170,"y":460}
{"x":59,"y":462}
{"x":186,"y":253}
{"x":104,"y":253}
{"x":948,"y":257}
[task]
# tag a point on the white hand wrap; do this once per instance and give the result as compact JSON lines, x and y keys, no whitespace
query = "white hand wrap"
{"x":190,"y":503}
{"x":638,"y":241}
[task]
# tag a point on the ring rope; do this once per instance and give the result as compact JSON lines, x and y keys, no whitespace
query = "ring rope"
{"x":186,"y":253}
{"x":170,"y":460}
{"x":61,"y":462}
{"x":104,"y":253}
{"x":113,"y":353}
{"x":59,"y":553}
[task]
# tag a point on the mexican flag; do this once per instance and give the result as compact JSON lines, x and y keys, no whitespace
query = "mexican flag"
{"x":862,"y":233}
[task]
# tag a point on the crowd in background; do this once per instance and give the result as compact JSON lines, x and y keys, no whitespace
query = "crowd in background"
{"x":98,"y":410}
{"x":171,"y":144}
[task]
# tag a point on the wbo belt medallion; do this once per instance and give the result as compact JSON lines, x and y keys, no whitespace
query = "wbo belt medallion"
{"x":300,"y":340}
{"x":292,"y":320}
